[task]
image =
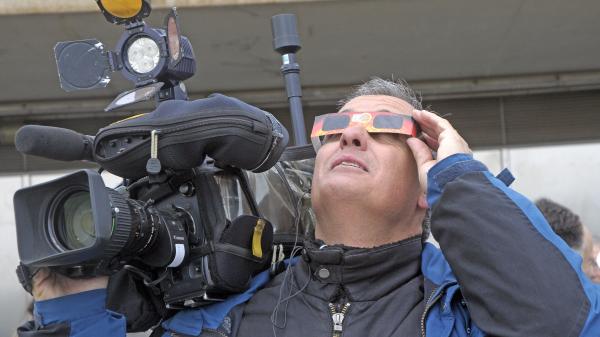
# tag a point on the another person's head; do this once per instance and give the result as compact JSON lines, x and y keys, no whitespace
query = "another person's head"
{"x":564,"y":223}
{"x":365,"y":189}
{"x":591,"y":256}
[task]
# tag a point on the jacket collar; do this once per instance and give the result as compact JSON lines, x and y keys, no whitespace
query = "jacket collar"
{"x":364,"y":274}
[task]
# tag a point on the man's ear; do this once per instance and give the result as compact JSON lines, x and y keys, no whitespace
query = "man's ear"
{"x":422,"y":201}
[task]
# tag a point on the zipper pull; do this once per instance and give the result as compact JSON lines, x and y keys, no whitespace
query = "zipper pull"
{"x":338,"y":318}
{"x":153,"y":166}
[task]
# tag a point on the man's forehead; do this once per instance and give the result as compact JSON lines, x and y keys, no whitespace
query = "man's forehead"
{"x":371,"y":103}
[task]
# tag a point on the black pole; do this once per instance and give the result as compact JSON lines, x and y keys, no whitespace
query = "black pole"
{"x":287,"y":42}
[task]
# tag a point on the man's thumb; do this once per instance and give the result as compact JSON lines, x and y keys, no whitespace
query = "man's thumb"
{"x":420,"y":151}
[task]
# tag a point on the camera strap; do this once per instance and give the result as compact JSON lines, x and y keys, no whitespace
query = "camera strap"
{"x":299,"y":152}
{"x":26,"y":277}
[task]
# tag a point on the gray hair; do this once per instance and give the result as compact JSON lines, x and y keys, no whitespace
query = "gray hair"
{"x":379,"y":86}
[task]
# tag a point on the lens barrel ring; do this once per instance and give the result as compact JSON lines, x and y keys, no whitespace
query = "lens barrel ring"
{"x":121,"y":224}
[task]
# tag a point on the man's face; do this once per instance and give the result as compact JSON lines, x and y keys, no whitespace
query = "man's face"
{"x":376,"y":169}
{"x":592,"y":263}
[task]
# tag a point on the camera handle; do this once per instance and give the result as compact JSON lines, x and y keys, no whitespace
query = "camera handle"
{"x":26,"y":277}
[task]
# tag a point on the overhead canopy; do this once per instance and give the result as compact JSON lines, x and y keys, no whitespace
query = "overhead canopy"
{"x":510,"y":72}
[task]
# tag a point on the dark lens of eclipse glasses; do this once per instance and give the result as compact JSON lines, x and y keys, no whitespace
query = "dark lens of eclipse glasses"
{"x":335,"y":122}
{"x":388,"y":122}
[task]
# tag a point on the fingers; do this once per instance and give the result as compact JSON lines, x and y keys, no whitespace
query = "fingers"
{"x":42,"y":280}
{"x":420,"y":150}
{"x":430,"y":123}
{"x":48,"y":284}
{"x":431,"y":142}
{"x":41,"y":276}
{"x":439,"y":134}
{"x":423,"y":158}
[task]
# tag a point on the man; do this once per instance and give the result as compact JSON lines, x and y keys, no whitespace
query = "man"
{"x":564,"y":223}
{"x":567,"y":225}
{"x":591,"y":256}
{"x":368,"y":272}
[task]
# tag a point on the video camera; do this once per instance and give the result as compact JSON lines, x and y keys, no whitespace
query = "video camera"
{"x":204,"y":199}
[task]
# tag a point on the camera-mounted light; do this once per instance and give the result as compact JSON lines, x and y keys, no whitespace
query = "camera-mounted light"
{"x":124,"y":11}
{"x":143,"y":55}
{"x":155,"y":60}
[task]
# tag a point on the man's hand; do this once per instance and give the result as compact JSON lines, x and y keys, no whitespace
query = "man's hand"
{"x":48,"y":285}
{"x":439,"y":136}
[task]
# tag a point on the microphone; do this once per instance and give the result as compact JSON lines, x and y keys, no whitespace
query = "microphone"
{"x":54,"y":143}
{"x":286,"y":42}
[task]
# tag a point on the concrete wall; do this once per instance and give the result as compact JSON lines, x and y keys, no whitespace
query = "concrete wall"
{"x":565,"y":173}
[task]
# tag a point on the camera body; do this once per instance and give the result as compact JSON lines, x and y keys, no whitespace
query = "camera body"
{"x":175,"y":236}
{"x":192,"y":230}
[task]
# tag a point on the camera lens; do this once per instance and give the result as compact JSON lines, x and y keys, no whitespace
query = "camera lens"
{"x":73,"y":223}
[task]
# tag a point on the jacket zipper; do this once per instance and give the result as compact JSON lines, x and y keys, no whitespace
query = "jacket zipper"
{"x":430,"y":302}
{"x":168,"y":132}
{"x":337,"y":317}
{"x":463,"y":304}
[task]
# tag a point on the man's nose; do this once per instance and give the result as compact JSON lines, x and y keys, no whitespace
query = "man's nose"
{"x":355,"y":136}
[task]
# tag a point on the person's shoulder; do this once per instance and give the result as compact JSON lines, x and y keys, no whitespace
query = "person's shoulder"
{"x":277,"y":286}
{"x":278,"y":278}
{"x":434,"y":266}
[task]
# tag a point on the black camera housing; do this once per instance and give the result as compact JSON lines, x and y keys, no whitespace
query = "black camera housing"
{"x":171,"y":229}
{"x":175,"y":236}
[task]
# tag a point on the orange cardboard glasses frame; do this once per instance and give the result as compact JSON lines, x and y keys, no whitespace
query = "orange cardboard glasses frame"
{"x":373,"y":122}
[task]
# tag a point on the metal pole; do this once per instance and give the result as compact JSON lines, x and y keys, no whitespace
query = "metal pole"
{"x":287,"y":42}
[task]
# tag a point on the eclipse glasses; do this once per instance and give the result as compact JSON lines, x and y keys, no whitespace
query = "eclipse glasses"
{"x":373,"y":122}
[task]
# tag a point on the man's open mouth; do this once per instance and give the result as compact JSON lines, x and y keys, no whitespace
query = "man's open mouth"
{"x":349,"y":162}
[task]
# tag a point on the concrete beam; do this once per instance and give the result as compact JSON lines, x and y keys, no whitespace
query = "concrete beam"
{"x":321,"y":96}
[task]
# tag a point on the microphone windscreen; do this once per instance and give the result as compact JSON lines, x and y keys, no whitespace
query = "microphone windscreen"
{"x":53,"y":143}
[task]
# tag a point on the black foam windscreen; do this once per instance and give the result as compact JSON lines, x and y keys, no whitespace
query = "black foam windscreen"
{"x":54,"y":143}
{"x":285,"y":34}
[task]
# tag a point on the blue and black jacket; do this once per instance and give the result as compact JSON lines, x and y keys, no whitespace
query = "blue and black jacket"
{"x":503,"y":272}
